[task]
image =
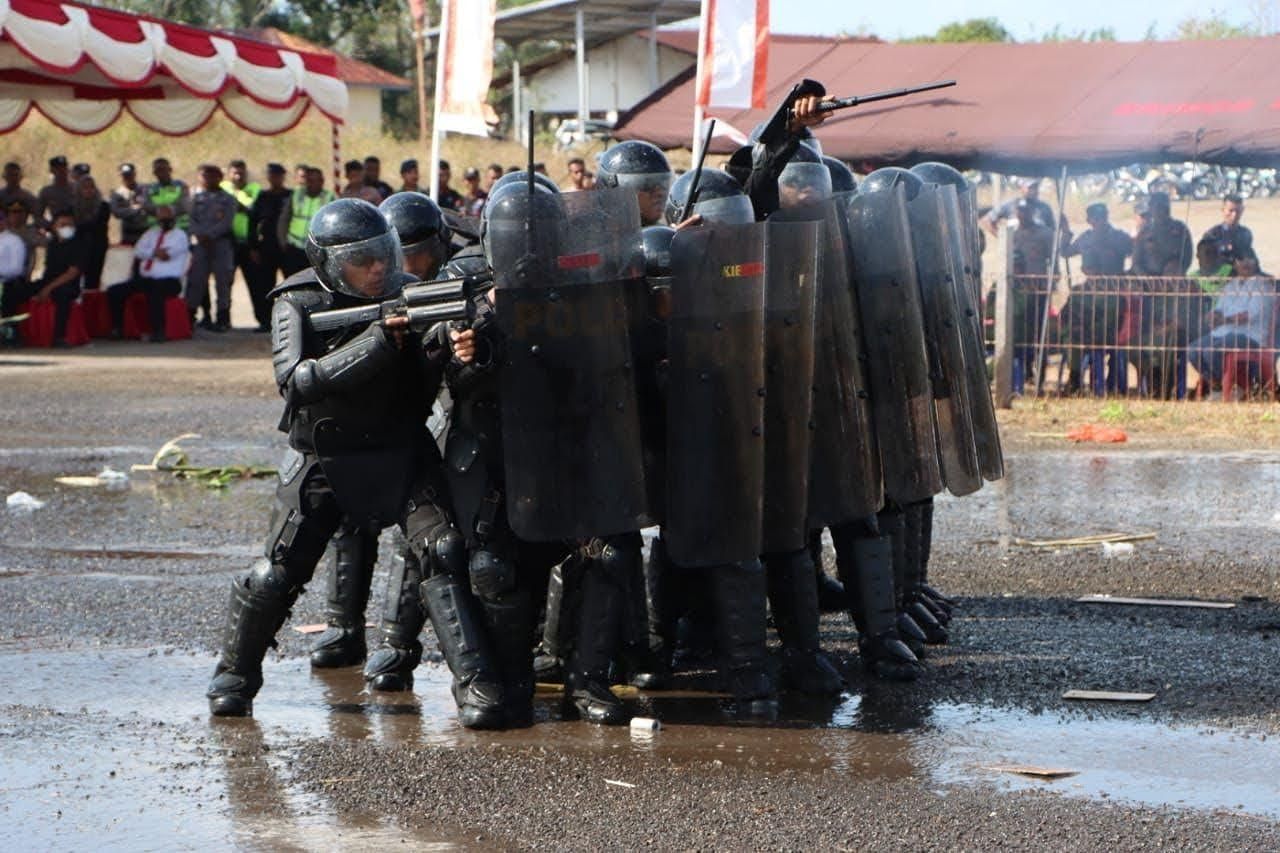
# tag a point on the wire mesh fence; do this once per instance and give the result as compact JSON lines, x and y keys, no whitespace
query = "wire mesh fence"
{"x":1183,"y":338}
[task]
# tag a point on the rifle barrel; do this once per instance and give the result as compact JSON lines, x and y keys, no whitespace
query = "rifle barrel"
{"x":843,"y":103}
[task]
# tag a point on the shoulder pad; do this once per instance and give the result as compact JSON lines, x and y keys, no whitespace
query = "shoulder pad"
{"x":307,"y":300}
{"x":302,"y":279}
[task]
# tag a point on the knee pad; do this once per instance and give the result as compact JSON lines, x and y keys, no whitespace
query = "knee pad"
{"x":444,"y":551}
{"x":270,"y":579}
{"x":491,"y":576}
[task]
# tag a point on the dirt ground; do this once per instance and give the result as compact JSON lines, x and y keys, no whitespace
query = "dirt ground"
{"x":113,"y":602}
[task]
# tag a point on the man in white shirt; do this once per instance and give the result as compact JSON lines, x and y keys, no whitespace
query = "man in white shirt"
{"x":162,"y":253}
{"x":13,"y":256}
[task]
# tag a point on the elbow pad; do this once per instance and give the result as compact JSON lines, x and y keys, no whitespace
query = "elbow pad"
{"x":345,"y":368}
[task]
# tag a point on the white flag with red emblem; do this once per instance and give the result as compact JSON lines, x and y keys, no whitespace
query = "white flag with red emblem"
{"x":735,"y":53}
{"x":467,"y":54}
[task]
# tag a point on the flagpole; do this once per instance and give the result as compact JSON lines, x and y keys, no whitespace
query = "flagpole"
{"x":442,"y":48}
{"x":698,"y":109}
{"x":420,"y":62}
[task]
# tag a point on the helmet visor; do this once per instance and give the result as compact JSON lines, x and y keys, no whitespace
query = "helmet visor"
{"x":366,"y":269}
{"x":731,"y":210}
{"x":804,"y":183}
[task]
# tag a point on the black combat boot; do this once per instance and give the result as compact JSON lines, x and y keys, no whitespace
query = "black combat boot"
{"x":647,"y":661}
{"x":343,"y":643}
{"x":914,"y":603}
{"x":586,"y":684}
{"x":253,"y":618}
{"x":739,"y":599}
{"x":477,"y":687}
{"x":868,"y":575}
{"x":831,"y":597}
{"x":390,"y":667}
{"x":511,"y":622}
{"x":934,"y":600}
{"x":564,"y":589}
{"x":793,"y":600}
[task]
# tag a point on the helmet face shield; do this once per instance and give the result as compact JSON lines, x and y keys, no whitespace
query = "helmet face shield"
{"x":804,"y":183}
{"x":365,"y":269}
{"x":651,"y":189}
{"x":733,"y":210}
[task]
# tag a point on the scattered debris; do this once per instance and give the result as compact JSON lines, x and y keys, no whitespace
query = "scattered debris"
{"x":1031,"y":770}
{"x":1111,"y":550}
{"x":108,"y":476}
{"x":1108,"y":696}
{"x":1155,"y":602}
{"x":22,"y":502}
{"x":1084,"y":541}
{"x":619,"y":784}
{"x":645,"y":725}
{"x":172,"y":459}
{"x":1097,"y":434}
{"x":319,"y":627}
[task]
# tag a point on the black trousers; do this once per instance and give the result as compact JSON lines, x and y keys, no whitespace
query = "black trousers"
{"x":266,"y":275}
{"x":18,"y":292}
{"x":157,"y":290}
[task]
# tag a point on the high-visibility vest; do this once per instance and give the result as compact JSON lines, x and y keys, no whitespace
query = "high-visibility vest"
{"x":245,"y":197}
{"x":301,"y":208}
{"x":161,"y":196}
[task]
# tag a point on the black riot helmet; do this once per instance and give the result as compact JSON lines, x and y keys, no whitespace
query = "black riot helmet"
{"x":354,"y":250}
{"x":419,"y":224}
{"x":888,"y":178}
{"x":639,"y":166}
{"x":804,"y":180}
{"x":470,"y":261}
{"x":940,"y":174}
{"x":657,"y":251}
{"x":520,"y":232}
{"x":522,"y":178}
{"x":842,"y":179}
{"x":720,"y":199}
{"x":739,"y":164}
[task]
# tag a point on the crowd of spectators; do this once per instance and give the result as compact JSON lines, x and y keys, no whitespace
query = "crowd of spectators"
{"x":1140,"y":302}
{"x":183,"y":236}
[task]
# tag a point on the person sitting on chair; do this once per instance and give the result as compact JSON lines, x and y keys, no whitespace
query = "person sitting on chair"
{"x":1243,"y":318}
{"x":161,"y":253}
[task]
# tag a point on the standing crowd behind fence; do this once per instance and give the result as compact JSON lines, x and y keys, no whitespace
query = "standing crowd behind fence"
{"x":1153,"y":314}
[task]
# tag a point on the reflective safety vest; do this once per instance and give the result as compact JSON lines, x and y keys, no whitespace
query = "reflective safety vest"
{"x":160,"y":196}
{"x":301,"y":208}
{"x":244,"y":199}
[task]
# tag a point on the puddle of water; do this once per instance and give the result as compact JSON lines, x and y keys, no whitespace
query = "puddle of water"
{"x":142,"y":714}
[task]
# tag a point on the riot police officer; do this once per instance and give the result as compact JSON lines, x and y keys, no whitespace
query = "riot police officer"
{"x":356,"y":403}
{"x":642,"y":167}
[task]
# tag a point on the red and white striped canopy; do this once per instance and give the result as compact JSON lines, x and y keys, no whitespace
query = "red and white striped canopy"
{"x":82,"y":66}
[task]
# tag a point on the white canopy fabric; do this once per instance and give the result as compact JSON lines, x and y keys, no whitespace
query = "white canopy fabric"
{"x":83,"y":66}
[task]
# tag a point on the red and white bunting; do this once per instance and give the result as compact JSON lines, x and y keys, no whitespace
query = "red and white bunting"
{"x":82,"y":66}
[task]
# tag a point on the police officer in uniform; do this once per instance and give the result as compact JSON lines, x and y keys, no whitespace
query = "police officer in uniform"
{"x":245,"y":192}
{"x":291,"y":229}
{"x":356,"y":403}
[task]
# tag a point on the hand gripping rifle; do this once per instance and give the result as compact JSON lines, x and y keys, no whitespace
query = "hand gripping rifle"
{"x":776,"y":129}
{"x":426,"y":304}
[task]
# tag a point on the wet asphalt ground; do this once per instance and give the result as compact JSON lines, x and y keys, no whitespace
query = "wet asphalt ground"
{"x":113,"y":602}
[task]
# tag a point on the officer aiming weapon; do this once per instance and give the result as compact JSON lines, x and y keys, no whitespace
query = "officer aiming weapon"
{"x":425,"y":304}
{"x":775,"y":130}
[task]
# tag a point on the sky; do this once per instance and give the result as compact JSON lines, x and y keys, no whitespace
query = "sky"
{"x":1026,"y":19}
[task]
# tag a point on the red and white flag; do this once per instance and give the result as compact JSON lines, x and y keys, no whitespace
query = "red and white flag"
{"x":735,"y":53}
{"x":467,"y":45}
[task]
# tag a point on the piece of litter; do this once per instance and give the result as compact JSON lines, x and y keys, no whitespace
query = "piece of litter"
{"x":1084,"y":541}
{"x":1097,"y":434}
{"x":1108,"y":696}
{"x":1155,"y":602}
{"x":1031,"y":770}
{"x":314,"y":628}
{"x":646,"y":725}
{"x":619,"y":784}
{"x":111,"y":475}
{"x":22,"y":502}
{"x":1117,"y":549}
{"x":81,"y":482}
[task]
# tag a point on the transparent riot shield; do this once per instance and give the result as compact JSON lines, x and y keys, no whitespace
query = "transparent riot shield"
{"x":791,"y":267}
{"x":897,"y":361}
{"x":931,"y":241}
{"x":844,"y":473}
{"x":959,"y":208}
{"x":715,"y":395}
{"x":570,"y":420}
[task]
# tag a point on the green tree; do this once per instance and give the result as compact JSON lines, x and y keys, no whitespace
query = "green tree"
{"x":1212,"y":26}
{"x":1057,"y":34}
{"x":974,"y":29}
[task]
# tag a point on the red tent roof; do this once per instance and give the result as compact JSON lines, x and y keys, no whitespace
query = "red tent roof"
{"x":82,"y":66}
{"x":348,"y":69}
{"x":1020,"y":108}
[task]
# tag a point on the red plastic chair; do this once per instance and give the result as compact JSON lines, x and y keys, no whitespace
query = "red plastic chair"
{"x":1236,"y":365}
{"x":37,"y":329}
{"x":97,"y":313}
{"x":137,"y":322}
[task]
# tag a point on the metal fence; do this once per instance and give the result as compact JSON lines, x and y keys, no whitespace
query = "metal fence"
{"x":1168,"y":338}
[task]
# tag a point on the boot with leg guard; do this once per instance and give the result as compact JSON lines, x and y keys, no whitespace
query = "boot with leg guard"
{"x":916,"y":604}
{"x":560,"y":620}
{"x":739,"y":601}
{"x":258,"y":608}
{"x":793,"y":600}
{"x":460,"y":630}
{"x":866,"y":570}
{"x":647,"y":662}
{"x":355,"y":551}
{"x":509,"y":614}
{"x":892,"y":524}
{"x":599,"y":632}
{"x":830,"y":590}
{"x":936,"y":600}
{"x":390,"y":667}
